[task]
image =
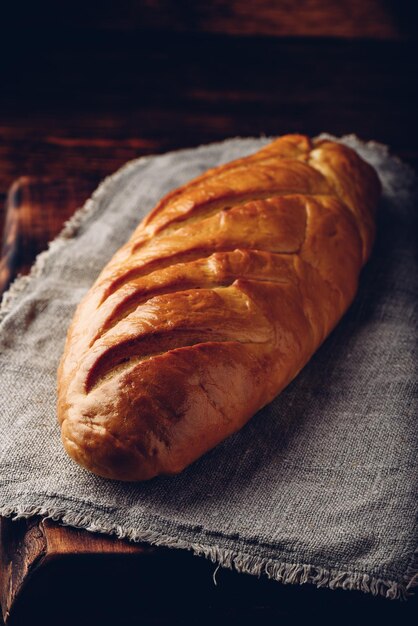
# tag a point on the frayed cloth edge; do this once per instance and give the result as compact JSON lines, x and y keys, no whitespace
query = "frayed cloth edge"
{"x":280,"y":571}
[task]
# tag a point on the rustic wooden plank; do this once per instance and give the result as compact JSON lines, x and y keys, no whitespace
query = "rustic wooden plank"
{"x":64,"y":540}
{"x":36,"y":210}
{"x":22,"y":546}
{"x":27,"y":546}
{"x":345,"y":18}
{"x":104,"y":100}
{"x":27,"y":549}
{"x":312,"y":18}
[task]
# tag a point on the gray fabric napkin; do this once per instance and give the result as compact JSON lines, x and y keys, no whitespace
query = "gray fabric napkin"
{"x":319,"y":487}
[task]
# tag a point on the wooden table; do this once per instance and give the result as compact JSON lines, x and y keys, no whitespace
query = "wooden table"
{"x":81,"y":96}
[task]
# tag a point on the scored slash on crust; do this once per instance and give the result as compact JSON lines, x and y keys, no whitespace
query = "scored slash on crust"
{"x":256,"y":260}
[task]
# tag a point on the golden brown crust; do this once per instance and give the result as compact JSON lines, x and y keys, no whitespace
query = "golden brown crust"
{"x":220,"y":297}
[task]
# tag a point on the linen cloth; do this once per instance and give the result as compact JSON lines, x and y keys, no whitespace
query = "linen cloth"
{"x":319,"y":487}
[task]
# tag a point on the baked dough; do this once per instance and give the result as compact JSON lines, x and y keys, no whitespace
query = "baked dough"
{"x":217,"y":301}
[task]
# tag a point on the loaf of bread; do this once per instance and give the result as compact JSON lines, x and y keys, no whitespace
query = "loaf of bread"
{"x":218,"y":300}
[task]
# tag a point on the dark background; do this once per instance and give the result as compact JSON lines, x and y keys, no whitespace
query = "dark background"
{"x":85,"y":86}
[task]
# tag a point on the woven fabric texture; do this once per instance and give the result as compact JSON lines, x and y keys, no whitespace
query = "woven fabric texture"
{"x":319,"y":487}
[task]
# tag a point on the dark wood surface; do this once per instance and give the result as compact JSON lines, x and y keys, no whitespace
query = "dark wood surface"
{"x":378,"y":19}
{"x":79,"y":104}
{"x":35,"y":212}
{"x":124,"y":585}
{"x":29,"y":547}
{"x":86,"y":87}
